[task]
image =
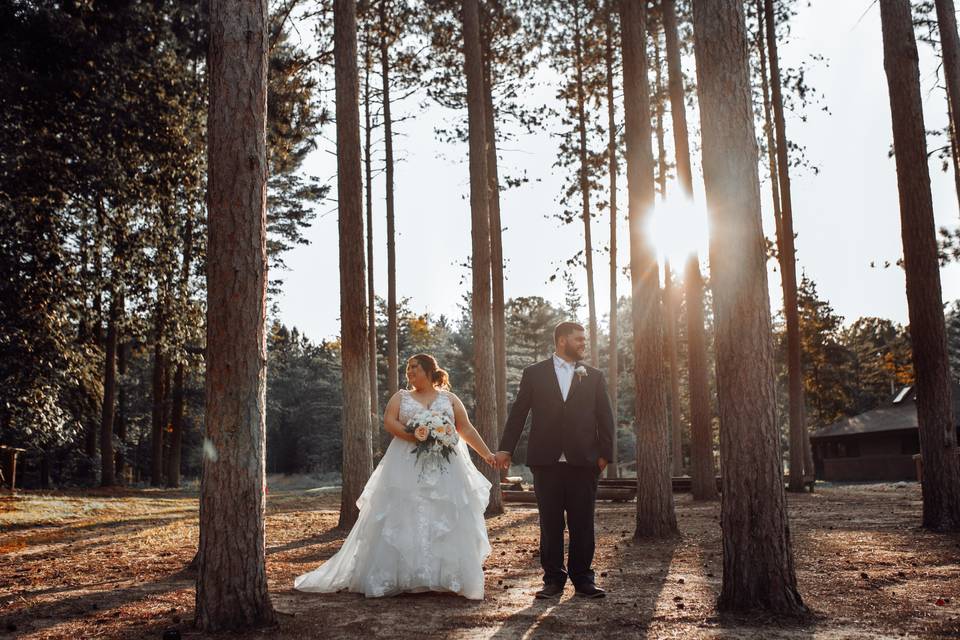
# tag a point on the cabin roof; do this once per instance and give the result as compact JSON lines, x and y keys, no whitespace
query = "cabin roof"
{"x":898,"y":415}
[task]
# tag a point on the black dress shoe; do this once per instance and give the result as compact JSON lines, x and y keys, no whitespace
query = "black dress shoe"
{"x":590,"y":591}
{"x":549,"y":591}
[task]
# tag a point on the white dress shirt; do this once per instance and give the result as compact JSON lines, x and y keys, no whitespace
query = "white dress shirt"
{"x":564,"y":371}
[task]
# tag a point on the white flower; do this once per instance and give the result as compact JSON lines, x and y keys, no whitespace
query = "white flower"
{"x":580,"y":371}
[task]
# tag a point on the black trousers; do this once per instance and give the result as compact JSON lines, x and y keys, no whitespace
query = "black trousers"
{"x":566,"y":495}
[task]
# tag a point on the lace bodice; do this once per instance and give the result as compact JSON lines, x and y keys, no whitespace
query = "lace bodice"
{"x":410,"y":406}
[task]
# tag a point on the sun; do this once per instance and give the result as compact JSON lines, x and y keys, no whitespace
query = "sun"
{"x":678,"y":229}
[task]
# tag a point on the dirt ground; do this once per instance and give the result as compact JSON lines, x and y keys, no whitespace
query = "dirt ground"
{"x":112,"y":564}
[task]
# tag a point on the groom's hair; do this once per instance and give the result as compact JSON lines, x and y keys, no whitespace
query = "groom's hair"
{"x":564,"y":329}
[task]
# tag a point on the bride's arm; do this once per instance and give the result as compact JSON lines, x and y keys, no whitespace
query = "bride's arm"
{"x":468,"y":432}
{"x":391,"y":420}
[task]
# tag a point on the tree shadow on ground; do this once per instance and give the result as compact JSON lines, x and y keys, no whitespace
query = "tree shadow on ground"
{"x":93,"y":605}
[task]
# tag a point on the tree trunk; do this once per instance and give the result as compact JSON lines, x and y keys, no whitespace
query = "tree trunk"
{"x":768,"y":120}
{"x":585,"y":184}
{"x":482,"y":315}
{"x":357,"y":455}
{"x":93,"y":431}
{"x":107,"y":462}
{"x":659,"y":111}
{"x":788,"y":262}
{"x":702,"y":472}
{"x":156,"y":413}
{"x":758,"y":571}
{"x":670,"y":315}
{"x":655,"y":512}
{"x":613,"y":374}
{"x":375,"y":439}
{"x":496,"y":241}
{"x":157,"y":426}
{"x":950,"y":47}
{"x":179,"y":378}
{"x":669,"y":296}
{"x":678,"y":108}
{"x":393,"y":358}
{"x":167,"y":413}
{"x":954,"y":151}
{"x":938,"y":446}
{"x":120,"y":423}
{"x":232,"y":579}
{"x":176,"y":434}
{"x":701,"y":439}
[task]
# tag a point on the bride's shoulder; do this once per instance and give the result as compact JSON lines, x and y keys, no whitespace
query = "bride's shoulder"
{"x":399,"y":395}
{"x":451,"y":396}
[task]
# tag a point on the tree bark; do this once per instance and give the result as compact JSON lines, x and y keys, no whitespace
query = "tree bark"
{"x":701,"y":440}
{"x":393,"y":357}
{"x":768,"y":119}
{"x":179,"y":376}
{"x":655,"y":512}
{"x":669,"y":296}
{"x":954,"y":151}
{"x":938,"y":445}
{"x":950,"y":47}
{"x":375,"y":441}
{"x":613,"y":373}
{"x":702,"y":471}
{"x":176,"y":423}
{"x":659,"y":112}
{"x":788,"y":262}
{"x":120,"y":422}
{"x":159,"y":393}
{"x":357,"y":455}
{"x":108,"y":408}
{"x":496,"y":241}
{"x":670,"y":316}
{"x":585,"y":183}
{"x":678,"y":108}
{"x":93,"y":431}
{"x":758,"y":571}
{"x":232,"y":580}
{"x":482,"y":315}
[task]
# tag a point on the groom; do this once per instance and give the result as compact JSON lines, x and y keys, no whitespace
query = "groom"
{"x":571,"y":441}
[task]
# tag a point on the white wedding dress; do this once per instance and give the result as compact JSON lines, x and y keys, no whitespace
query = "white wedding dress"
{"x":419,"y":529}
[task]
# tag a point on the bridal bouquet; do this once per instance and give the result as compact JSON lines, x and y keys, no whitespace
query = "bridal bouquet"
{"x":436,"y":438}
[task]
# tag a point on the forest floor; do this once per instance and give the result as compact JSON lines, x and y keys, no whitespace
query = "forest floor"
{"x":112,"y":564}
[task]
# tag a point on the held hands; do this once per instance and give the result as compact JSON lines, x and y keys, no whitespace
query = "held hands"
{"x":491,"y":459}
{"x":502,"y":460}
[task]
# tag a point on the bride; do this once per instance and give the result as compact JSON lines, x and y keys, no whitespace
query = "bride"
{"x":421,"y":525}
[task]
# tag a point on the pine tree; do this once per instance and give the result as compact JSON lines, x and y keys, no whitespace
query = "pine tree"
{"x":938,"y":446}
{"x":758,"y":570}
{"x":232,"y":579}
{"x":357,"y":453}
{"x":655,"y":512}
{"x":482,"y":313}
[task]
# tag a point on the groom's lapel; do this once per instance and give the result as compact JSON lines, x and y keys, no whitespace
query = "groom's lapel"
{"x":575,"y":383}
{"x":551,"y":371}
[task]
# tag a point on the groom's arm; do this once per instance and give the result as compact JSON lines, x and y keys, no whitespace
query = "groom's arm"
{"x":606,"y":429}
{"x":518,"y":414}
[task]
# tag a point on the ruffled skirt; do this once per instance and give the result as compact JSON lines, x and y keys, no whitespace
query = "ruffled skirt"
{"x":419,"y":529}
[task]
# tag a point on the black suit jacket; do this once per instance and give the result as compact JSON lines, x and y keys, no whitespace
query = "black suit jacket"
{"x":581,"y":428}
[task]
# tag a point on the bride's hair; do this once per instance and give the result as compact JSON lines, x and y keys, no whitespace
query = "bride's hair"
{"x":439,"y":377}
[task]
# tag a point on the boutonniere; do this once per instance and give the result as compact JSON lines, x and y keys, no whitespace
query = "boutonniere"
{"x":580,"y":370}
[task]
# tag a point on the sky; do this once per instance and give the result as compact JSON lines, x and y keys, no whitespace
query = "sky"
{"x":846,"y":214}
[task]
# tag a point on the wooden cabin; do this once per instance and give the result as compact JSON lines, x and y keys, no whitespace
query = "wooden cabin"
{"x":877,"y":445}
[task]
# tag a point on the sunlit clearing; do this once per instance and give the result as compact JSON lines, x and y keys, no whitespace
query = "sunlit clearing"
{"x":678,"y":229}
